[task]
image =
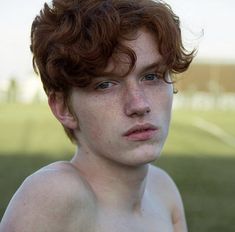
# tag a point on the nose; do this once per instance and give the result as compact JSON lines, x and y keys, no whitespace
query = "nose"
{"x":136,"y":102}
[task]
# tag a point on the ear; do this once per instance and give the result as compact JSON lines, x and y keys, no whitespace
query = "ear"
{"x":61,"y":110}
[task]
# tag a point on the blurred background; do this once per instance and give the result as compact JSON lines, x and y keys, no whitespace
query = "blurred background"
{"x":200,"y":150}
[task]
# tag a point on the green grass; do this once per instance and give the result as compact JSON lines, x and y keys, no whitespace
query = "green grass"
{"x":185,"y":138}
{"x":207,"y":186}
{"x":201,"y":164}
{"x":31,"y":129}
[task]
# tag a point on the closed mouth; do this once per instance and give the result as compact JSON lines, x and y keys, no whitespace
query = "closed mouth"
{"x":141,"y":132}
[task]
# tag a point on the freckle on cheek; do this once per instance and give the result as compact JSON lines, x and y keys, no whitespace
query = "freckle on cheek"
{"x":96,"y":133}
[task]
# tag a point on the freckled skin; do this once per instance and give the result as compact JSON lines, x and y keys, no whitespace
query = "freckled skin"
{"x":109,"y":184}
{"x":104,"y":115}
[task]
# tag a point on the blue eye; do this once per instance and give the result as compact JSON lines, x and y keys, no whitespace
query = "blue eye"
{"x":104,"y":85}
{"x":151,"y":77}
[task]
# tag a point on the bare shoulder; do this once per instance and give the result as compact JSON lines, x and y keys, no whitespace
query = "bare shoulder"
{"x":159,"y":177}
{"x":48,"y":200}
{"x":161,"y":184}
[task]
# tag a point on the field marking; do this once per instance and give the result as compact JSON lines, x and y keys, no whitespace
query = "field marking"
{"x":215,"y":131}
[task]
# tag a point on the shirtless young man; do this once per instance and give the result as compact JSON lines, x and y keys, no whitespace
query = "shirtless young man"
{"x":106,"y":66}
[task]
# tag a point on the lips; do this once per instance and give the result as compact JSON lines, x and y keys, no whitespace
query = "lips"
{"x":141,"y":132}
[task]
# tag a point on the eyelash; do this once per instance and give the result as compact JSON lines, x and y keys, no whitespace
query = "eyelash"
{"x":157,"y":76}
{"x":99,"y":85}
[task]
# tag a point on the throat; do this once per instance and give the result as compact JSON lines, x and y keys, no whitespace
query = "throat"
{"x":123,"y":191}
{"x":115,"y":187}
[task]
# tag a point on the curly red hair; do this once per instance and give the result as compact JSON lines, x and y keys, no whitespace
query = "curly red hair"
{"x":73,"y":40}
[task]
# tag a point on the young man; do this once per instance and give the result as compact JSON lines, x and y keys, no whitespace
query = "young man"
{"x":106,"y":66}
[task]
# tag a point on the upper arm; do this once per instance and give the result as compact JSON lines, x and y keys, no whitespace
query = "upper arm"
{"x":178,"y":215}
{"x":42,"y":203}
{"x":172,"y":198}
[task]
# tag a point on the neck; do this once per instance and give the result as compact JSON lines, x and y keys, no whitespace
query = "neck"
{"x":116,"y":186}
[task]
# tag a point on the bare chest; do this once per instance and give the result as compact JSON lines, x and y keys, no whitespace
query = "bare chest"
{"x":106,"y":221}
{"x":137,"y":227}
{"x":148,"y":222}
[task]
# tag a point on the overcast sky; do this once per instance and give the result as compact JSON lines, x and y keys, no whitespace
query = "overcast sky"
{"x":208,"y":24}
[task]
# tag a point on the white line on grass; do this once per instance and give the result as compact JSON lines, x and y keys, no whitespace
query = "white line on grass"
{"x":215,"y":131}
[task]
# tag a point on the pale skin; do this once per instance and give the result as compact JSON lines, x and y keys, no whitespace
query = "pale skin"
{"x":109,"y":185}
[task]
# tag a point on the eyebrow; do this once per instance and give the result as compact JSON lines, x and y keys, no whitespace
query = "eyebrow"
{"x":154,"y":65}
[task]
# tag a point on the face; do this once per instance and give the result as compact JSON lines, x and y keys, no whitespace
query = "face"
{"x":126,"y":120}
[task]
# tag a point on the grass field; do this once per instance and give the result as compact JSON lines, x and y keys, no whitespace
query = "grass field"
{"x":199,"y":155}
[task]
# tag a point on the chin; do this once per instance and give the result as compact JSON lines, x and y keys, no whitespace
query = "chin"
{"x":144,"y":156}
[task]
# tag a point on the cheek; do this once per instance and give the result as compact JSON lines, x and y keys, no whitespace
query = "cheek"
{"x":89,"y":125}
{"x":96,"y":133}
{"x":95,"y":117}
{"x":168,"y":109}
{"x":162,"y":108}
{"x":163,"y":100}
{"x":95,"y":122}
{"x":167,"y":99}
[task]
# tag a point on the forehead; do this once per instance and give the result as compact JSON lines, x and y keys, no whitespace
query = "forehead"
{"x":145,"y":48}
{"x":144,"y":43}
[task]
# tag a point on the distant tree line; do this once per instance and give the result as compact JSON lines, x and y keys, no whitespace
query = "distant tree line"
{"x":211,"y":78}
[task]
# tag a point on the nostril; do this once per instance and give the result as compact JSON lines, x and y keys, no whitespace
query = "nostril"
{"x":148,"y":110}
{"x":136,"y":103}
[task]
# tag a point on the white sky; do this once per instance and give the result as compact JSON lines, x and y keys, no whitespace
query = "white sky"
{"x":215,"y":18}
